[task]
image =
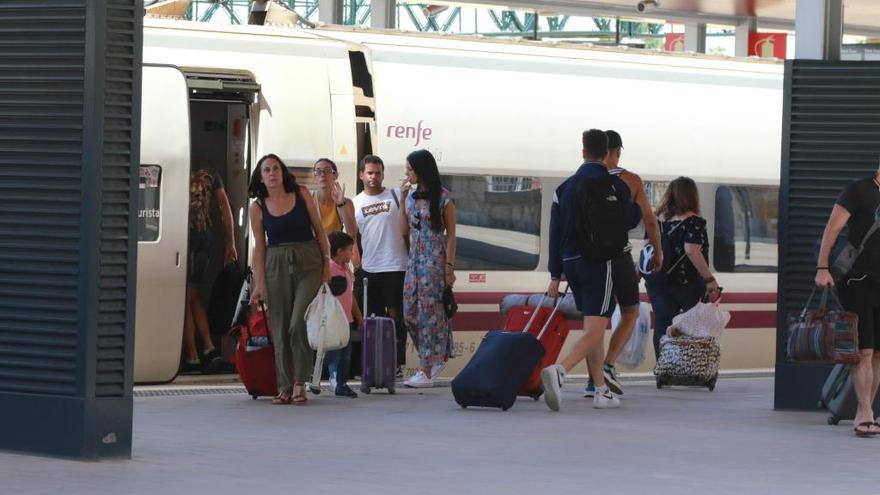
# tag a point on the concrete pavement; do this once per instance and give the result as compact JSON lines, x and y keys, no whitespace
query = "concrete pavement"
{"x":676,"y":441}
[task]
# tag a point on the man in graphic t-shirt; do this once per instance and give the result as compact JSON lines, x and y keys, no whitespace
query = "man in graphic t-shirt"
{"x":384,"y":257}
{"x":858,"y":207}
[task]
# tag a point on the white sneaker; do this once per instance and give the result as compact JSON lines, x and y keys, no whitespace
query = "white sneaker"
{"x":605,"y":399}
{"x":419,"y":380}
{"x":438,"y":368}
{"x":332,"y":383}
{"x":553,"y":377}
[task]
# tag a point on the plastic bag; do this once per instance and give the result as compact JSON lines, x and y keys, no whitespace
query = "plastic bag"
{"x":636,"y":349}
{"x":327,"y":327}
{"x":703,"y":320}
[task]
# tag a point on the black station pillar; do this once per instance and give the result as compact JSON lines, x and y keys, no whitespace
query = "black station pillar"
{"x":70,"y":77}
{"x":830,"y":138}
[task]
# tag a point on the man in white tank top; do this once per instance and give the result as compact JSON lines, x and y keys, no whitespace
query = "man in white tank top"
{"x":383,"y":260}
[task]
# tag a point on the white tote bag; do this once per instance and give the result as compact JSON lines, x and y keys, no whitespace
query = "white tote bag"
{"x":327,"y":328}
{"x":703,"y":320}
{"x":635,"y":351}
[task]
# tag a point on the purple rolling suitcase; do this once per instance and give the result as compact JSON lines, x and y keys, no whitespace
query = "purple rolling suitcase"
{"x":379,"y":356}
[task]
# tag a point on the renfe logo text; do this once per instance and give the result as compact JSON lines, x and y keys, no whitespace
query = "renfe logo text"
{"x":408,"y":132}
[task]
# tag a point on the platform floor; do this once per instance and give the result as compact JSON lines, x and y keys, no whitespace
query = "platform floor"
{"x":678,"y":441}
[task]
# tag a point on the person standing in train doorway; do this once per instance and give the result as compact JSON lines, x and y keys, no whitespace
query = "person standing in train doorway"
{"x":206,"y":194}
{"x":377,"y":211}
{"x":590,"y":219}
{"x":623,"y":274}
{"x":858,"y":208}
{"x":291,"y":261}
{"x":429,"y":221}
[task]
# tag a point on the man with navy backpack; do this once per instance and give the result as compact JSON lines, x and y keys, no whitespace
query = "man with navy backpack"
{"x":858,"y":208}
{"x":590,"y":220}
{"x":623,"y":274}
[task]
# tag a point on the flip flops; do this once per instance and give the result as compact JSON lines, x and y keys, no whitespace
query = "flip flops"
{"x":865,"y":432}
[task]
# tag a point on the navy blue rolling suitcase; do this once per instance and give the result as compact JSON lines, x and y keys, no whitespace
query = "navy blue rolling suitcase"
{"x":501,"y":365}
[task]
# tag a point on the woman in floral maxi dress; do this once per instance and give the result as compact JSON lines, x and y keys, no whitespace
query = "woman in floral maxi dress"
{"x":429,"y":218}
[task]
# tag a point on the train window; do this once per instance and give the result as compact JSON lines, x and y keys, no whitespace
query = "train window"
{"x":746,"y":228}
{"x":498,"y":221}
{"x":149,"y":204}
{"x":655,"y":191}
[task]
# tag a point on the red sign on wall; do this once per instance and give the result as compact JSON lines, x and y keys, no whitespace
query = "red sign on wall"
{"x":674,"y":42}
{"x":767,"y":45}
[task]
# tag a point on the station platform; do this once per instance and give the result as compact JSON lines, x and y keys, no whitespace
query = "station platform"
{"x":214,"y":439}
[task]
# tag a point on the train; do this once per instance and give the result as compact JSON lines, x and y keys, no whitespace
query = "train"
{"x":504,"y":120}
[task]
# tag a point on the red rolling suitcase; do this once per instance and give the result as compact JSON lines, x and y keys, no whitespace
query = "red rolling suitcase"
{"x":551,"y":329}
{"x":255,"y":355}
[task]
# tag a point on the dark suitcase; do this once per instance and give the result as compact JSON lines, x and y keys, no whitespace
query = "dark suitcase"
{"x":224,"y":300}
{"x":378,"y":352}
{"x":501,"y":365}
{"x":551,"y":330}
{"x":839,"y":396}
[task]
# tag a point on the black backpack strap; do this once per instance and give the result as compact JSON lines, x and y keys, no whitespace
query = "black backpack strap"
{"x":396,"y":200}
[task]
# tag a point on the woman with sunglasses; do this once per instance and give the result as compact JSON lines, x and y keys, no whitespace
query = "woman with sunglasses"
{"x":429,"y":220}
{"x":688,"y":278}
{"x":337,"y":211}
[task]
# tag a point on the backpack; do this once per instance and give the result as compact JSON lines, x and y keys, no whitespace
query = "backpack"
{"x":669,"y":264}
{"x":600,"y":224}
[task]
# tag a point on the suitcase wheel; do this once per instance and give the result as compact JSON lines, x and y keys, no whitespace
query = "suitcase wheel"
{"x":463,"y":406}
{"x":392,"y":390}
{"x":365,"y":389}
{"x":711,"y":383}
{"x":659,"y":382}
{"x":833,"y":420}
{"x":254,"y":397}
{"x":315,"y":390}
{"x":505,"y":408}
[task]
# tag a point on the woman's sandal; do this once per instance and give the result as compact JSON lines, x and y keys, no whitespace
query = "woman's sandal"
{"x":282,"y":398}
{"x":866,"y":431}
{"x":299,"y":394}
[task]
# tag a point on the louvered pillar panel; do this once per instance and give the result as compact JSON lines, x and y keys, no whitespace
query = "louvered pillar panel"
{"x":69,"y":131}
{"x":831,"y":136}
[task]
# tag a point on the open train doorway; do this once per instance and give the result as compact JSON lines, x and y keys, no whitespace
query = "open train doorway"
{"x":220,"y":109}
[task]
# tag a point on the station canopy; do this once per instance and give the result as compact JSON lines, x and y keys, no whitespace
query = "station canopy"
{"x":861,"y":17}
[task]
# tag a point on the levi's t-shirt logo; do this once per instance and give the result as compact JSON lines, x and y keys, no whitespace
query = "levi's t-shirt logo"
{"x":376,"y":208}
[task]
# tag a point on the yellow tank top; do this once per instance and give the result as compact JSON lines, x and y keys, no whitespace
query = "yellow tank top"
{"x":329,"y":216}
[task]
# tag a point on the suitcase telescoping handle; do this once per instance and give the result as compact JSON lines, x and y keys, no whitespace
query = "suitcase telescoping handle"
{"x":552,"y":313}
{"x":364,"y":309}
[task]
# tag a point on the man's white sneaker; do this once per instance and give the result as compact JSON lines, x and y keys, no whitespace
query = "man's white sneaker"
{"x":437,"y":369}
{"x":553,"y":377}
{"x":605,"y":399}
{"x":419,"y":380}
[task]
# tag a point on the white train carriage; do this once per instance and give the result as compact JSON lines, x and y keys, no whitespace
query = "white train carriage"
{"x":504,"y":121}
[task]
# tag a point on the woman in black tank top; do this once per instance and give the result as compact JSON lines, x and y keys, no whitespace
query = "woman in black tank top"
{"x":291,"y":262}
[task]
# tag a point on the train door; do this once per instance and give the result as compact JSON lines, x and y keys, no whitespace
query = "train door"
{"x":220,"y":137}
{"x":164,"y":186}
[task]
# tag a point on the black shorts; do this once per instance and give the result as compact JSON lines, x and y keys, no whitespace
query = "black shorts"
{"x":591,"y":285}
{"x":625,"y":280}
{"x":384,"y":290}
{"x":863,"y":298}
{"x":200,"y":244}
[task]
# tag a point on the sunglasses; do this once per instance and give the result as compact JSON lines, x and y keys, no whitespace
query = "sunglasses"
{"x":320,"y":172}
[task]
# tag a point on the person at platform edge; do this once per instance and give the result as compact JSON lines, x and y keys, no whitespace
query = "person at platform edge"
{"x":858,"y":207}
